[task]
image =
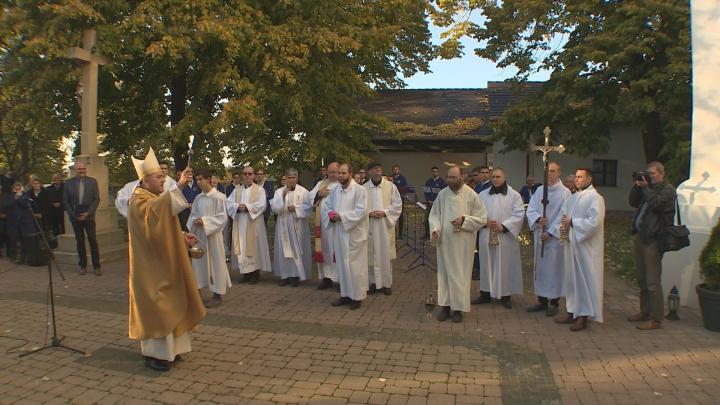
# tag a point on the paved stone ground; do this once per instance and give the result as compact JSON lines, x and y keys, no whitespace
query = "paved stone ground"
{"x":270,"y":344}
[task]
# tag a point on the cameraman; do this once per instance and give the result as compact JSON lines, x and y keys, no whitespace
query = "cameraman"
{"x":655,"y":200}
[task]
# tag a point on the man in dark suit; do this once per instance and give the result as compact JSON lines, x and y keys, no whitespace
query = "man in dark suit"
{"x":81,"y":198}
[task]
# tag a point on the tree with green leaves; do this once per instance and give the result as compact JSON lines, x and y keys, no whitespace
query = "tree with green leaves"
{"x":252,"y":81}
{"x":611,"y":62}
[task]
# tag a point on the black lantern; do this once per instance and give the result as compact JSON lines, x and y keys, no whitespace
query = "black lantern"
{"x":430,"y":303}
{"x":673,"y":304}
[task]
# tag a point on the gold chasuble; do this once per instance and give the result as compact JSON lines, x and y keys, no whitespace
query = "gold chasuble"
{"x":164,"y":297}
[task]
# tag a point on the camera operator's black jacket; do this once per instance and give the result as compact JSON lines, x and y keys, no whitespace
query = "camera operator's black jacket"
{"x":659,"y":213}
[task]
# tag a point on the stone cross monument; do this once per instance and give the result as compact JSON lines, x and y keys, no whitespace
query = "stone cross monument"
{"x":699,"y":196}
{"x":110,"y":238}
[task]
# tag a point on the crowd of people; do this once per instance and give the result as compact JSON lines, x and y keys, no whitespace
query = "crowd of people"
{"x":188,"y":229}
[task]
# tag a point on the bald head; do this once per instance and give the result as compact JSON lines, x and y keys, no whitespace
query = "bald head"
{"x":455,"y":178}
{"x":80,"y":169}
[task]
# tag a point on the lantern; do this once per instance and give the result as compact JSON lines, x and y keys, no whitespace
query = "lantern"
{"x":430,"y":303}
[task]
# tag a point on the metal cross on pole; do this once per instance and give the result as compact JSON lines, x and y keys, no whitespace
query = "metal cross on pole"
{"x":546,"y":149}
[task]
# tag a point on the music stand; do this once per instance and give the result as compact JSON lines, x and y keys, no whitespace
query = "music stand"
{"x":422,"y":259}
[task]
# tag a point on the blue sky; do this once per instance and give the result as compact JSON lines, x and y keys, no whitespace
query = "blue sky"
{"x":469,"y":71}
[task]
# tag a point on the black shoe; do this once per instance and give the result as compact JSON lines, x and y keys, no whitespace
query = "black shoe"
{"x":373,"y":289}
{"x":537,"y":307}
{"x":355,"y":304}
{"x":325,"y":284}
{"x":551,"y":310}
{"x":157,"y":365}
{"x":484,"y":298}
{"x":506,"y":302}
{"x":457,"y":316}
{"x":295,"y":281}
{"x":284,"y":282}
{"x":444,"y":314}
{"x":254,"y":277}
{"x":387,"y":291}
{"x":341,"y":301}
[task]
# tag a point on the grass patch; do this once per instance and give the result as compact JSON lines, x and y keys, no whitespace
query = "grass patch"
{"x":619,"y":256}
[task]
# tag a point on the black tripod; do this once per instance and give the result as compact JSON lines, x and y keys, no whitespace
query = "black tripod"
{"x":55,"y":341}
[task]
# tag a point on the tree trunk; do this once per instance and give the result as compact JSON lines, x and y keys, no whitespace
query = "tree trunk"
{"x":178,"y":94}
{"x":652,"y":136}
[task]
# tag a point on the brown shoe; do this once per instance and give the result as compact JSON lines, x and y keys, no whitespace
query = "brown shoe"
{"x":579,"y":324}
{"x":214,"y":302}
{"x":639,"y":317}
{"x":98,"y":272}
{"x":649,"y":325}
{"x":565,"y":319}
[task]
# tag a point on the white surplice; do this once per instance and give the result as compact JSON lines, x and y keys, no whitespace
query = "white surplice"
{"x":455,"y":249}
{"x":548,"y":274}
{"x":349,"y":238}
{"x":381,"y":245}
{"x":325,"y":269}
{"x":584,"y":254}
{"x":292,"y":257}
{"x":210,"y":269}
{"x":122,"y":199}
{"x":500,"y":267}
{"x":259,"y":258}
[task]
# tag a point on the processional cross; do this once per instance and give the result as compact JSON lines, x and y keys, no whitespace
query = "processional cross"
{"x":546,"y":149}
{"x":89,"y":63}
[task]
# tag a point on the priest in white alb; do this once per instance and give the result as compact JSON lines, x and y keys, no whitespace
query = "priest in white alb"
{"x":345,"y":212}
{"x":207,"y":221}
{"x":292,"y":259}
{"x":584,"y":220}
{"x":498,"y":243}
{"x":246,"y":204}
{"x":384,"y":209}
{"x":455,"y":217}
{"x":548,"y":252}
{"x":163,"y":296}
{"x":322,"y":254}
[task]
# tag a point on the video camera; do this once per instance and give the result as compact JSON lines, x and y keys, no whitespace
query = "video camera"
{"x":640,"y":176}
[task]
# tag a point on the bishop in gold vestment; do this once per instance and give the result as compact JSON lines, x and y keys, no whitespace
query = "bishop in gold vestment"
{"x":164,"y":300}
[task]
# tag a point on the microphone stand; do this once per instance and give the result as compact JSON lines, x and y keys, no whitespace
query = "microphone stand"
{"x":55,"y":341}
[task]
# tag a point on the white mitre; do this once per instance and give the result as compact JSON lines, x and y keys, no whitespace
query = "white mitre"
{"x":148,"y":166}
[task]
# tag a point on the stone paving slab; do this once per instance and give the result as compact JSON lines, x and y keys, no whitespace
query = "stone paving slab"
{"x":270,"y":344}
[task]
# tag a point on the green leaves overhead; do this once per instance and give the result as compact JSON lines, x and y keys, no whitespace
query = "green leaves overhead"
{"x":252,"y":81}
{"x":611,"y":62}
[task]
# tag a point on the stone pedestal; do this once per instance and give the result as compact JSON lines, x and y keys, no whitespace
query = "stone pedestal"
{"x":111,"y":239}
{"x":699,"y":196}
